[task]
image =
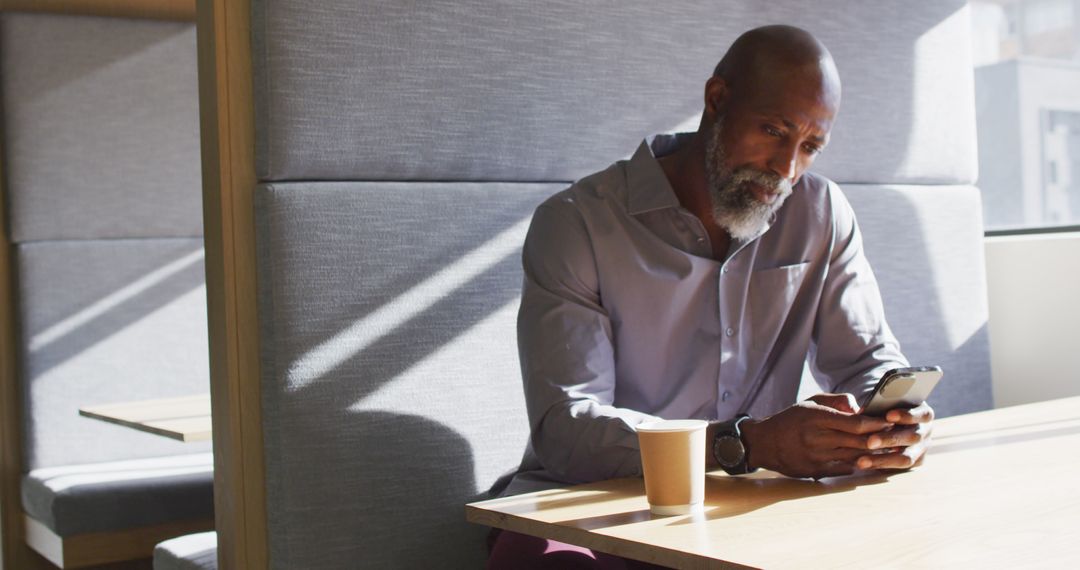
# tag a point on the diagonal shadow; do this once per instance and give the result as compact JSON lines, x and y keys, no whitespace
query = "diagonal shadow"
{"x":1011,"y":427}
{"x":414,"y":340}
{"x":302,"y":321}
{"x":992,"y":440}
{"x":920,"y":286}
{"x":67,"y":35}
{"x":727,"y":497}
{"x":421,"y":486}
{"x":87,"y":333}
{"x":366,"y":257}
{"x":304,"y":261}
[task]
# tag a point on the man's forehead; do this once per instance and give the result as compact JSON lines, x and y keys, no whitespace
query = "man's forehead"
{"x":796,"y":111}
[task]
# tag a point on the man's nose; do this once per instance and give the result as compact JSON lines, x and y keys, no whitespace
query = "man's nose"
{"x":785,"y":161}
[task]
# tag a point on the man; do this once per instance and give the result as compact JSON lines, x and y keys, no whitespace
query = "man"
{"x":695,"y":280}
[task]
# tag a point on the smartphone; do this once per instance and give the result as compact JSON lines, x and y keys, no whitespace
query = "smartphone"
{"x":901,"y":388}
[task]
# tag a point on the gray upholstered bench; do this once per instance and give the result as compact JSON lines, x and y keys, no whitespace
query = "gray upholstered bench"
{"x":190,"y":552}
{"x":132,"y":502}
{"x":102,"y":196}
{"x":104,"y":497}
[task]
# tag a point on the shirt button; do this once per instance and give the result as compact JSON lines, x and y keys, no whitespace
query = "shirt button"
{"x":701,"y":240}
{"x":724,"y":397}
{"x":730,"y":331}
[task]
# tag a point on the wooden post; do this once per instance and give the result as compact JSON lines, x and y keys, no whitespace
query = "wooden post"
{"x":228,"y":169}
{"x":10,"y":401}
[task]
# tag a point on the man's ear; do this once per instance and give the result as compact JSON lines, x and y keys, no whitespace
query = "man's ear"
{"x":716,"y":96}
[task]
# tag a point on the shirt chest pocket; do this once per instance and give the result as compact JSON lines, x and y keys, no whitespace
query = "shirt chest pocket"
{"x":770,"y":296}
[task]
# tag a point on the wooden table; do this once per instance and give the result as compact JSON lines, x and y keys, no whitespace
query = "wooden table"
{"x":185,"y":419}
{"x":998,"y":489}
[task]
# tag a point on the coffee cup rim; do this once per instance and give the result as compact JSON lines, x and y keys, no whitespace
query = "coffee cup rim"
{"x":672,"y":425}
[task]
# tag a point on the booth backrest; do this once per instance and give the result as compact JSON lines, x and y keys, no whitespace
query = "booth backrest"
{"x":103,"y":189}
{"x":401,"y":149}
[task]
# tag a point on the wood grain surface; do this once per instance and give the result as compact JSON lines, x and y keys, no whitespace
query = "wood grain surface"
{"x":998,"y":490}
{"x":185,"y":419}
{"x":227,"y":127}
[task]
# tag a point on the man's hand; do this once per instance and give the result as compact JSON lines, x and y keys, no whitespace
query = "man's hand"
{"x":904,"y":446}
{"x":821,"y":437}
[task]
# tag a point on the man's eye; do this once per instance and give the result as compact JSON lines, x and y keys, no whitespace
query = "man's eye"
{"x":771,"y":131}
{"x":811,"y":149}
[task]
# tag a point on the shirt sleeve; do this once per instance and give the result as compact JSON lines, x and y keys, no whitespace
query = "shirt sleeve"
{"x":567,"y":356}
{"x":852,"y":345}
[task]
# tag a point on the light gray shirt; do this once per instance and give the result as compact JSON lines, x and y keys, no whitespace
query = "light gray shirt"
{"x":625,"y":317}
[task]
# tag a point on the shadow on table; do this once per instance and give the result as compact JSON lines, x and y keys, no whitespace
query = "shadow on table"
{"x":582,"y":495}
{"x":609,"y":521}
{"x":992,"y":439}
{"x":733,"y":496}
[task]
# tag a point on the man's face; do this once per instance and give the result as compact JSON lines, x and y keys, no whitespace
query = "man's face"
{"x":757,"y":150}
{"x":743,"y":199}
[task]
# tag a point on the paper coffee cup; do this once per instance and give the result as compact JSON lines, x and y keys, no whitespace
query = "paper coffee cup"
{"x":673,"y":459}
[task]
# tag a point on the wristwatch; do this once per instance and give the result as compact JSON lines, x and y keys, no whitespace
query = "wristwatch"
{"x":729,"y":449}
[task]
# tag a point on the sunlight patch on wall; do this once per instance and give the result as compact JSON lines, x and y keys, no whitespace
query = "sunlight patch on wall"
{"x":351,"y":341}
{"x":480,"y":366}
{"x":113,"y":300}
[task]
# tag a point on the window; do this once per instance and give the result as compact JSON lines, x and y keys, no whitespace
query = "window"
{"x":1027,"y":91}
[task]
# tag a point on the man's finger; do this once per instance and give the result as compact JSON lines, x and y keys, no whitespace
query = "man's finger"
{"x":920,"y":414}
{"x":900,"y":437}
{"x":855,"y":424}
{"x":833,"y":439}
{"x":906,"y":459}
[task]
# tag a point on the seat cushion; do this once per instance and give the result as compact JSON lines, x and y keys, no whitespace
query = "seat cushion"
{"x":102,"y":497}
{"x":191,"y":552}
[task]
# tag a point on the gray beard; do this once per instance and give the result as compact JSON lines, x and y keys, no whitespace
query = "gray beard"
{"x":735,"y":207}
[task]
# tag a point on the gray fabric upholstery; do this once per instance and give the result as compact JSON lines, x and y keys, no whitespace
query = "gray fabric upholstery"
{"x":369,"y":394}
{"x":191,"y":552}
{"x":107,"y":321}
{"x":391,"y":388}
{"x":531,"y":91}
{"x":101,"y":127}
{"x":925,"y":244}
{"x":101,"y":497}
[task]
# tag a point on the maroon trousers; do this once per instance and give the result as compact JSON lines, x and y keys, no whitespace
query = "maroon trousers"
{"x":522,"y":552}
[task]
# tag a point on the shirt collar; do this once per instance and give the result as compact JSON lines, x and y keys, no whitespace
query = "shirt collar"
{"x":647,"y":185}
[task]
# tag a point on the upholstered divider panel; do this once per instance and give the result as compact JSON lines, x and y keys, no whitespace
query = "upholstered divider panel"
{"x":101,"y":127}
{"x":543,"y":91}
{"x":391,"y":387}
{"x":107,"y":321}
{"x":925,"y":244}
{"x":387,"y":301}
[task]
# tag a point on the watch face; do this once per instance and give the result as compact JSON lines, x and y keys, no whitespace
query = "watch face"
{"x":729,"y":450}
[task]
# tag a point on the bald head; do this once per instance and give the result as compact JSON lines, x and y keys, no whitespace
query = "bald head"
{"x":769,"y":111}
{"x":760,"y":56}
